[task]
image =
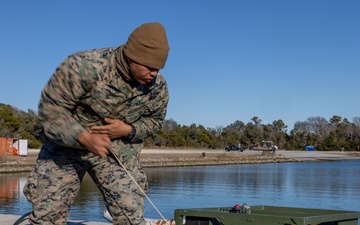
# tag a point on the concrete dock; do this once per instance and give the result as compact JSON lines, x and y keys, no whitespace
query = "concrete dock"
{"x":9,"y":219}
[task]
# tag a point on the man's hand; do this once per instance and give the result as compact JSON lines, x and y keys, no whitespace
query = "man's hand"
{"x":95,"y":143}
{"x":113,"y":128}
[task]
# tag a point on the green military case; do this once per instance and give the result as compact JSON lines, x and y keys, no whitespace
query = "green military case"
{"x":264,"y":215}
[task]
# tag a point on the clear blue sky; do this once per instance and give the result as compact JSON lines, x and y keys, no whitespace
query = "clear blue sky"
{"x":229,"y":60}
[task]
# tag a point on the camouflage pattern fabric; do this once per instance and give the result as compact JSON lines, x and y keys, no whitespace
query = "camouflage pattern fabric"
{"x":85,"y":89}
{"x":55,"y":181}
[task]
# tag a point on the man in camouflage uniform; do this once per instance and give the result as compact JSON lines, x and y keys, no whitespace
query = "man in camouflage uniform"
{"x":97,"y":105}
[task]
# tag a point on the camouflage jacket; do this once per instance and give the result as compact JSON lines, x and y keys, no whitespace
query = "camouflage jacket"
{"x":87,"y":88}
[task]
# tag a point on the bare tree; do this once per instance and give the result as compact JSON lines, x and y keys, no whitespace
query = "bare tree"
{"x":356,"y":120}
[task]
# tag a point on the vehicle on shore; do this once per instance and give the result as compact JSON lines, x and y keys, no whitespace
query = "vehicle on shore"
{"x":266,"y":146}
{"x":233,"y":148}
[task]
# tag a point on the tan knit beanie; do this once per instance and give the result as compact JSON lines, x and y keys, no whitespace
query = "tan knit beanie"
{"x":148,"y":45}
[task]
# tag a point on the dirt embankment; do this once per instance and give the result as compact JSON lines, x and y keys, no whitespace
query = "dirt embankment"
{"x":10,"y":164}
{"x":176,"y":158}
{"x":202,"y":159}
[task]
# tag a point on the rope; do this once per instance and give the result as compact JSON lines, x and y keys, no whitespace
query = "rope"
{"x":22,"y":218}
{"x":132,"y":178}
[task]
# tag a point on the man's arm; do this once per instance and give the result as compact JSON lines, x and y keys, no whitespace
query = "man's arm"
{"x":148,"y":123}
{"x":59,"y":97}
{"x":113,"y":128}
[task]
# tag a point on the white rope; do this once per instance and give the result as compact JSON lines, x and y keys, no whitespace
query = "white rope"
{"x":142,"y":191}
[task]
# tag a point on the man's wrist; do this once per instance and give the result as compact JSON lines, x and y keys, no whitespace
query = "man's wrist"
{"x":132,"y":133}
{"x":82,"y":137}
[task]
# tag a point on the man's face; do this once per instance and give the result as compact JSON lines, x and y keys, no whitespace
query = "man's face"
{"x":142,"y":74}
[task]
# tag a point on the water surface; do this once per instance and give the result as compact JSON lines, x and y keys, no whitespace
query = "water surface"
{"x":328,"y":185}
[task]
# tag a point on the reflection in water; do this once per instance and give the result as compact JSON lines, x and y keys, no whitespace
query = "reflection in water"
{"x":330,"y":185}
{"x":11,"y":196}
{"x":9,"y":187}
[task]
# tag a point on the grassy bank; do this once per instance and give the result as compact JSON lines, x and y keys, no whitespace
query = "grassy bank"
{"x":13,"y":164}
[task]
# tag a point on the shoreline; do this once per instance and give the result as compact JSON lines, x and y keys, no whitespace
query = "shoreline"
{"x":192,"y":157}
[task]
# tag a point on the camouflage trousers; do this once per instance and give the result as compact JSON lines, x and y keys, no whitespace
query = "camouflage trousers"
{"x":55,"y":181}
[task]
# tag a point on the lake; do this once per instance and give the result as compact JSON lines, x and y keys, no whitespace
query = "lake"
{"x":325,"y":185}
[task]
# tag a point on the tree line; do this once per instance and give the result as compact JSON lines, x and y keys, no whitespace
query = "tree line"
{"x":336,"y":133}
